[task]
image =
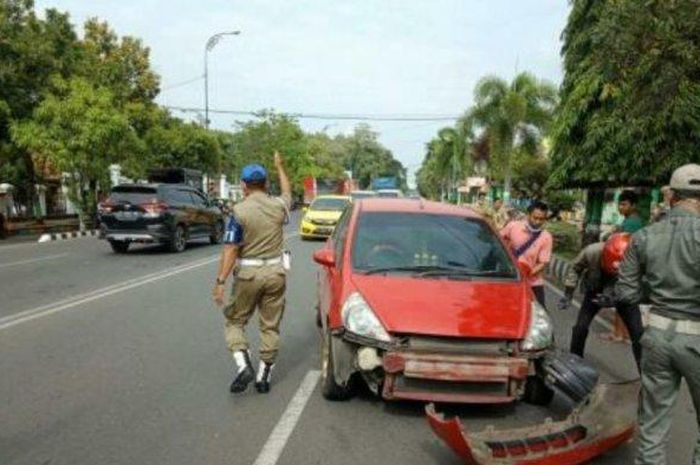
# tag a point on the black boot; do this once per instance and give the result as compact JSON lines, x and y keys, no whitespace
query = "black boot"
{"x":262,"y":383}
{"x":245,"y":373}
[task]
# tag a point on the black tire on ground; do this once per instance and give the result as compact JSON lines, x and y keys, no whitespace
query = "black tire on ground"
{"x":119,"y":246}
{"x":537,"y":392}
{"x":178,"y":241}
{"x":217,"y":235}
{"x":329,"y":388}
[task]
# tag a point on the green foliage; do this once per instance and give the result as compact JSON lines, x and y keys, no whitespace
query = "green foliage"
{"x":630,"y":103}
{"x":81,"y":132}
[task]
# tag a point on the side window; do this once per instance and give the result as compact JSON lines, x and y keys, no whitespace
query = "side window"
{"x":198,"y":199}
{"x":339,"y":235}
{"x":181,"y":196}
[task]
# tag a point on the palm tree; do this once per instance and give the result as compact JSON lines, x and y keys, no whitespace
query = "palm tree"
{"x":515,"y":116}
{"x":452,"y":149}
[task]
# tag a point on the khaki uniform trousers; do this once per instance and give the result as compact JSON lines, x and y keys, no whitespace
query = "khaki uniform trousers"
{"x":667,"y":356}
{"x":262,"y":288}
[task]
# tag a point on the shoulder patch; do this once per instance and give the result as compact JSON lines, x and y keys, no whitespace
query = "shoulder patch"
{"x":234,"y":232}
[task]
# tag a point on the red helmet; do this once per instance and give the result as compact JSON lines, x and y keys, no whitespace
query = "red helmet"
{"x":613,"y":251}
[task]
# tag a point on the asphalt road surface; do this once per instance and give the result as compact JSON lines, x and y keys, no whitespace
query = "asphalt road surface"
{"x":120,"y":359}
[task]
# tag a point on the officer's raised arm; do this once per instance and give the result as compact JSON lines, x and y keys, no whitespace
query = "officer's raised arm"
{"x":285,"y":185}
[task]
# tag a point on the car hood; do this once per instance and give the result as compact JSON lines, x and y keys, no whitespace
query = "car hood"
{"x":451,"y":308}
{"x":323,"y":215}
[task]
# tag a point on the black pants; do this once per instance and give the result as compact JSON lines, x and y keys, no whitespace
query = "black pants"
{"x":539,"y":295}
{"x":630,"y":315}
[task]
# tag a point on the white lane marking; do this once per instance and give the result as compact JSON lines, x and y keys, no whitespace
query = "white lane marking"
{"x":45,"y":310}
{"x":599,"y":319}
{"x":32,"y":260}
{"x":272,"y":450}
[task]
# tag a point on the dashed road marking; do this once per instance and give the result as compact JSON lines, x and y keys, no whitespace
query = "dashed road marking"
{"x":272,"y":450}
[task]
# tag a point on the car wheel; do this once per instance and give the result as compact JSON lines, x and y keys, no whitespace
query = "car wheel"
{"x":119,"y":246}
{"x":537,"y":392}
{"x":329,"y":388}
{"x":179,"y":239}
{"x":217,"y":234}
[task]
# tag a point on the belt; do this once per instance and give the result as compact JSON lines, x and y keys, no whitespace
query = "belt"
{"x":680,"y":326}
{"x":260,"y":261}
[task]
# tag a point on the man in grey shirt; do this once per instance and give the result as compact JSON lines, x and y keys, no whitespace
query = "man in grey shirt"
{"x":667,"y":255}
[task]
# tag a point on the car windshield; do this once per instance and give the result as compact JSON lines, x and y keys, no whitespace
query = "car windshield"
{"x":133,"y":194}
{"x":362,"y":195}
{"x":388,"y":194}
{"x":329,"y":204}
{"x":429,"y":245}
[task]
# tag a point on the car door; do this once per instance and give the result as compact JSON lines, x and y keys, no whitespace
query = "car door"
{"x":202,"y":215}
{"x":330,"y":284}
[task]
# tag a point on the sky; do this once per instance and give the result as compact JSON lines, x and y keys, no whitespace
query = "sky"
{"x":368,"y":57}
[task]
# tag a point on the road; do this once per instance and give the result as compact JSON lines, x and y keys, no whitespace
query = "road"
{"x":120,"y":359}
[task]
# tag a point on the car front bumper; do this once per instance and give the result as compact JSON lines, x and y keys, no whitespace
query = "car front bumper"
{"x":482,"y":379}
{"x":605,"y":420}
{"x":312,"y":230}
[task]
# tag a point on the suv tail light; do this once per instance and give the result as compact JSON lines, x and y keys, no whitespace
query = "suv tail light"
{"x":105,"y":207}
{"x":154,"y":208}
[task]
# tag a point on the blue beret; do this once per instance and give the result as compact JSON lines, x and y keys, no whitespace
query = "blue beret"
{"x":253,"y":173}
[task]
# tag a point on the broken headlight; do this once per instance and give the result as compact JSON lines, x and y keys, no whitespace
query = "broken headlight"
{"x":358,"y":318}
{"x":541,"y":333}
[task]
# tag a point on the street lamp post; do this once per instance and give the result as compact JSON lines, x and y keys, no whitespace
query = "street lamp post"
{"x":211,"y":43}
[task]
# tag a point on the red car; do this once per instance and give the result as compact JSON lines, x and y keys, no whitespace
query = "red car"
{"x":423,"y":301}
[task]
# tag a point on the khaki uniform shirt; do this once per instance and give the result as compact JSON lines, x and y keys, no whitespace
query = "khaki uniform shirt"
{"x":667,"y":255}
{"x":256,"y":225}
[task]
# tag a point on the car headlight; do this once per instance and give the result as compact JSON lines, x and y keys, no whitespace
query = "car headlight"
{"x":541,"y":333}
{"x":358,"y":318}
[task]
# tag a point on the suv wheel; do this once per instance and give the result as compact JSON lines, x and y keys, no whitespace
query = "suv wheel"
{"x":329,"y":388}
{"x":217,"y":234}
{"x":179,"y":239}
{"x":119,"y":246}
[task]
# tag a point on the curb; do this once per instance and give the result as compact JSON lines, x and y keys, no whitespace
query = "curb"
{"x":68,"y":235}
{"x":558,"y":268}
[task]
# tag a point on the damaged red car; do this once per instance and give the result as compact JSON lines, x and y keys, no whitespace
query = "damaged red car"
{"x":422,"y":301}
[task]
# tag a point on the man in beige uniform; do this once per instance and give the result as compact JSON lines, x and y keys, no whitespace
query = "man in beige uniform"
{"x":253,"y":251}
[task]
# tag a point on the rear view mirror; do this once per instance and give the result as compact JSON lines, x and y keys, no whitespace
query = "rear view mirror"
{"x":525,"y":269}
{"x":325,"y":257}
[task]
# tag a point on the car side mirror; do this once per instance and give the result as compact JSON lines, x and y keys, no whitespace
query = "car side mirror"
{"x":525,"y":269}
{"x":325,"y":257}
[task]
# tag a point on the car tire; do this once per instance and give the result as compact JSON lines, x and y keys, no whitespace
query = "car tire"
{"x":178,"y":240}
{"x":329,"y":388}
{"x":217,"y":235}
{"x":119,"y":246}
{"x":537,"y":392}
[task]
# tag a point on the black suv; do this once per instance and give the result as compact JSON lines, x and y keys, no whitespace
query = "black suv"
{"x":170,"y":214}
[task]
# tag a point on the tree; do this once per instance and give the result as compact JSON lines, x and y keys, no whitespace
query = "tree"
{"x":173,"y":143}
{"x":80,"y":130}
{"x":515,"y":115}
{"x":368,"y":159}
{"x":32,"y":51}
{"x":630,"y":103}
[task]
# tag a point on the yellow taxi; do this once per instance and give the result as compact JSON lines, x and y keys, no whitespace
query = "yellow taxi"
{"x":322,"y":215}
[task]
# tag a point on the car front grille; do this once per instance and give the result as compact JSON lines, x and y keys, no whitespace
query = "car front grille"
{"x":449,"y":345}
{"x":323,"y":222}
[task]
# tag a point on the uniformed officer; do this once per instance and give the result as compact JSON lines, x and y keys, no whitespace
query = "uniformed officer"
{"x":253,"y":251}
{"x":667,"y":256}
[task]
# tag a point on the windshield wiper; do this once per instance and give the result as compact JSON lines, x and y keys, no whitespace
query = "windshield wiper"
{"x":408,"y":268}
{"x":466,"y":272}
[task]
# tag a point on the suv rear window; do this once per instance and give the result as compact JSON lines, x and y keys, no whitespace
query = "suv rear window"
{"x":133,"y":194}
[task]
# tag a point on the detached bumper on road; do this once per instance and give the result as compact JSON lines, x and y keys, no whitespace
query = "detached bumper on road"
{"x":453,"y":378}
{"x":606,"y":420}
